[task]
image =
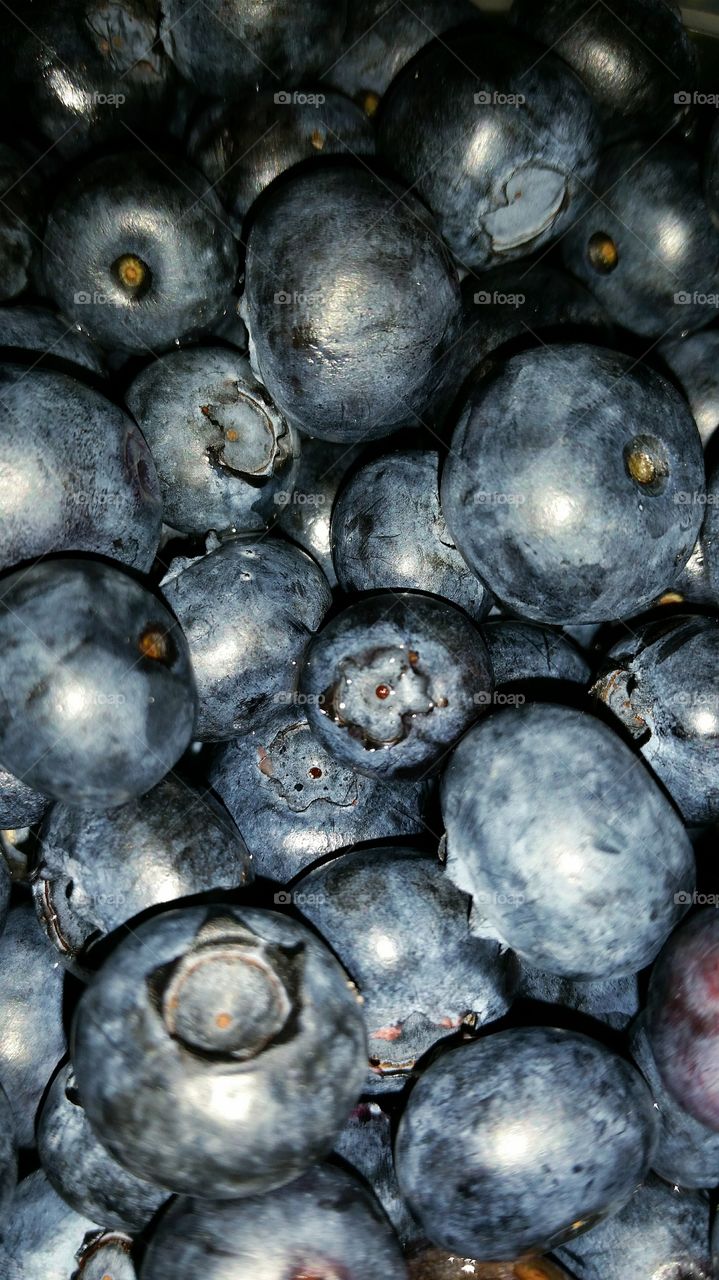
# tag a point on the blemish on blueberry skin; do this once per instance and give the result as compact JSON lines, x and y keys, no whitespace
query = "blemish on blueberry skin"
{"x":157,"y":645}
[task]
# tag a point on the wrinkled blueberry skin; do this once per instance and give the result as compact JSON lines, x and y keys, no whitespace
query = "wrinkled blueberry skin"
{"x":400,"y":928}
{"x":39,"y":332}
{"x":81,"y":1170}
{"x":520,"y":1140}
{"x":391,"y":682}
{"x":661,"y":1234}
{"x":662,"y":682}
{"x":44,"y":1234}
{"x":87,"y":714}
{"x":694,"y":362}
{"x":221,"y":448}
{"x":614,"y":1001}
{"x":33,"y":1039}
{"x":521,"y":651}
{"x":570,"y":850}
{"x":633,"y":56}
{"x":294,"y":803}
{"x":20,"y":805}
{"x":20,"y":222}
{"x":228,"y":49}
{"x":305,"y":513}
{"x":682,"y":1017}
{"x":351,"y":303}
{"x":365,"y":1144}
{"x":324,"y":1224}
{"x":537,"y":491}
{"x":241,"y":148}
{"x":247,"y":610}
{"x":671,"y":251}
{"x":388,"y":531}
{"x":97,"y":870}
{"x":8,"y":1157}
{"x":78,"y":475}
{"x":132,"y":204}
{"x":277,"y":1076}
{"x":687,"y":1153}
{"x":502,"y":179}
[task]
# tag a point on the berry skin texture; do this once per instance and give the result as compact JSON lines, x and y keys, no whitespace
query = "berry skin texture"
{"x":44,"y":1234}
{"x":218,"y":1051}
{"x":39,"y":332}
{"x":525,"y":651}
{"x":97,"y":701}
{"x":8,"y":1158}
{"x":570,"y":850}
{"x":521,"y":1140}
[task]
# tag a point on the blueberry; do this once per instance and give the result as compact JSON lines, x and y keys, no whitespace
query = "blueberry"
{"x":647,"y":248}
{"x":33,"y":1038}
{"x":365,"y":1145}
{"x":388,"y":532}
{"x":294,"y":803}
{"x":391,"y":682}
{"x":97,"y":870}
{"x":564,"y":485}
{"x":305,"y":512}
{"x":324,"y":1225}
{"x":570,"y":850}
{"x":88,"y":484}
{"x":247,"y":610}
{"x":500,"y":141}
{"x":106,"y":1257}
{"x":693,"y":361}
{"x":8,"y":1158}
{"x":218,"y":1051}
{"x":20,"y":221}
{"x":351,"y":303}
{"x":222,"y":450}
{"x":482,"y":1184}
{"x":138,"y":254}
{"x":635,"y":56}
{"x":5,"y":888}
{"x":97,"y":701}
{"x":613,"y":1001}
{"x":662,"y":1232}
{"x":242,"y":147}
{"x":662,"y":682}
{"x":44,"y":1234}
{"x":521,"y":651}
{"x":400,"y":929}
{"x":37,"y":331}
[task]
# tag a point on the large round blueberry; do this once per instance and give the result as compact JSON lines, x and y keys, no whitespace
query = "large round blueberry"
{"x":78,"y":474}
{"x":224,"y":454}
{"x":97,"y":870}
{"x":294,"y":803}
{"x":391,"y":682}
{"x":44,"y":1234}
{"x":305,"y":511}
{"x":400,"y":929}
{"x":521,"y":651}
{"x":138,"y":253}
{"x":565,"y":487}
{"x":499,"y":140}
{"x":248,"y":610}
{"x":218,"y":1051}
{"x":351,"y":303}
{"x":325,"y":1224}
{"x":570,"y":850}
{"x":521,"y":1140}
{"x":97,"y":701}
{"x":8,"y":1157}
{"x":37,"y":331}
{"x":388,"y":532}
{"x":614,"y":1001}
{"x":647,"y":248}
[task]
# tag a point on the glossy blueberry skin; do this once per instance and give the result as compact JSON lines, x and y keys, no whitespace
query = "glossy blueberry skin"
{"x":305,"y":513}
{"x":521,"y":651}
{"x":633,"y":56}
{"x":247,"y":610}
{"x":44,"y":1234}
{"x":221,"y":448}
{"x":81,"y":1170}
{"x":572,"y":853}
{"x":388,"y":531}
{"x":662,"y":682}
{"x":401,"y":930}
{"x":687,"y":1153}
{"x":226,"y":50}
{"x":39,"y":332}
{"x":654,"y":213}
{"x":279,"y":1073}
{"x":97,"y":700}
{"x":614,"y":1001}
{"x":33,"y":1039}
{"x":503,"y":179}
{"x":391,"y":682}
{"x":97,"y":870}
{"x":242,"y":147}
{"x":324,"y":1224}
{"x":294,"y":803}
{"x":88,"y":484}
{"x":661,"y":1234}
{"x":693,"y":361}
{"x":521,"y":1139}
{"x":8,"y":1158}
{"x":351,"y":303}
{"x":682,"y":1017}
{"x":133,"y":204}
{"x":365,"y":1145}
{"x":537,"y":491}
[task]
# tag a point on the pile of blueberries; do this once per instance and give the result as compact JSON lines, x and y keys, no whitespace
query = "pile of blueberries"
{"x":359,"y":641}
